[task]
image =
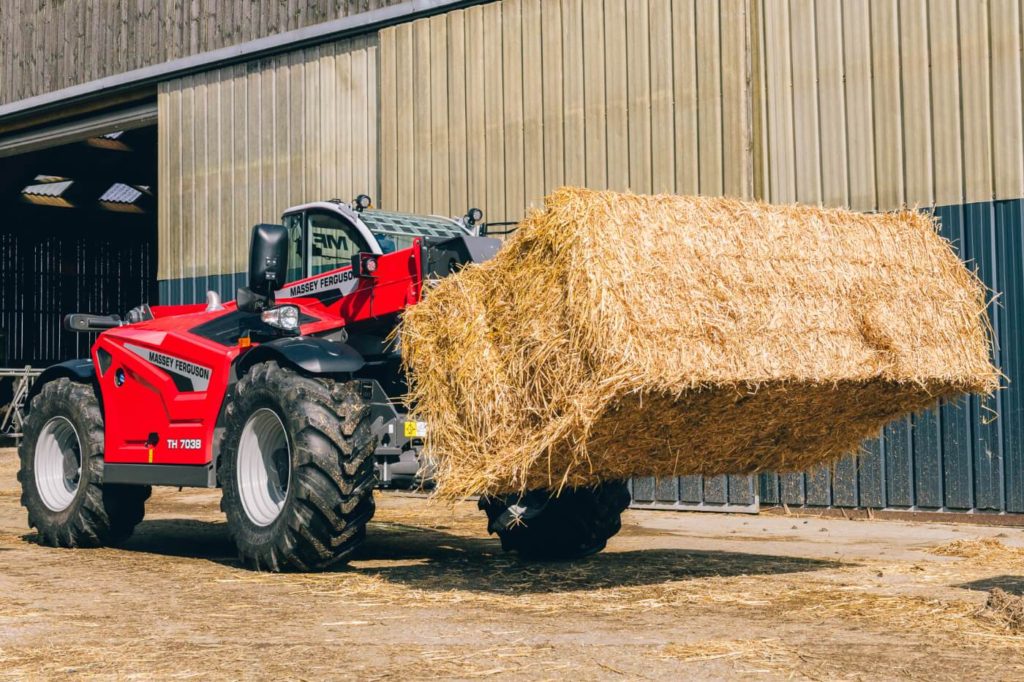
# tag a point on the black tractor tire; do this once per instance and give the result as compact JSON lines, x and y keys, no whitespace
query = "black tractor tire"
{"x":572,"y":525}
{"x":97,"y":514}
{"x":328,"y":498}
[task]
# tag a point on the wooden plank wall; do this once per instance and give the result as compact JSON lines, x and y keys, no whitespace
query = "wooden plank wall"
{"x":495,"y":105}
{"x":888,"y":102}
{"x":240,"y":144}
{"x":46,"y":46}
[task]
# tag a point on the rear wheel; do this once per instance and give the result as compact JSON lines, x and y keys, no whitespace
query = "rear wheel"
{"x":575,"y":524}
{"x":296,"y":469}
{"x":61,"y":472}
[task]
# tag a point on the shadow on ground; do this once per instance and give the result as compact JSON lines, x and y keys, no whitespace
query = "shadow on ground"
{"x":431,"y":559}
{"x":1014,"y":584}
{"x":184,"y":538}
{"x":438,"y":560}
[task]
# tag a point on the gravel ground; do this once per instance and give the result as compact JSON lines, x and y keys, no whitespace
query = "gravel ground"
{"x":675,"y":596}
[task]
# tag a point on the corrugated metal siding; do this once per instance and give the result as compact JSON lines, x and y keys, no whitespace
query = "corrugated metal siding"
{"x":876,"y":104}
{"x":239,"y":145}
{"x":498,"y":104}
{"x":695,"y":492}
{"x":46,"y":46}
{"x":866,"y":104}
{"x":490,"y":106}
{"x":964,"y":455}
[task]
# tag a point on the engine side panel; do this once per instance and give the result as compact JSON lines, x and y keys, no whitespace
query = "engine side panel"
{"x":162,"y":394}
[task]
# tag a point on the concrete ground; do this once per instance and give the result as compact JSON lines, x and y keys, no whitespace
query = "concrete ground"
{"x":675,"y":596}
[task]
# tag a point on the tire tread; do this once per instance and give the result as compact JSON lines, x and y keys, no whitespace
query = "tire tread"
{"x":99,"y":515}
{"x":575,"y":524}
{"x":325,"y":518}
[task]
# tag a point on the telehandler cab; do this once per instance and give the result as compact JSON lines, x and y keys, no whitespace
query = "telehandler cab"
{"x":288,"y":399}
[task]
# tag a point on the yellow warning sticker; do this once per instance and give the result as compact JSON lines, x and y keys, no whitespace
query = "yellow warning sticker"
{"x":415,"y":429}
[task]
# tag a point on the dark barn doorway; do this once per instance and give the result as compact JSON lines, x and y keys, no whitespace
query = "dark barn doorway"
{"x":78,"y":233}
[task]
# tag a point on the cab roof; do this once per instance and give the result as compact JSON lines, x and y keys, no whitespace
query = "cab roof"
{"x":388,"y":222}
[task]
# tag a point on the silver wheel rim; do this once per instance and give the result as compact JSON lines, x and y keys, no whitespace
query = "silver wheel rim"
{"x":264,"y":466}
{"x":58,"y":464}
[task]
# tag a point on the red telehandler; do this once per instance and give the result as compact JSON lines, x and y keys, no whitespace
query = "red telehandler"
{"x":288,"y":399}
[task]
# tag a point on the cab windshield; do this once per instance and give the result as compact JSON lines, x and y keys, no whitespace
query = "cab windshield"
{"x":320,"y":242}
{"x":389,"y":243}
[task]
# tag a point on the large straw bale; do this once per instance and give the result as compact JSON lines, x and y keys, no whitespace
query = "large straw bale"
{"x":620,"y":335}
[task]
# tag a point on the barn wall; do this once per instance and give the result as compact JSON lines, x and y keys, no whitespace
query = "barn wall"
{"x":965,"y":455}
{"x":498,"y":104}
{"x":240,"y":144}
{"x":864,"y":104}
{"x":46,"y":45}
{"x":877,"y":104}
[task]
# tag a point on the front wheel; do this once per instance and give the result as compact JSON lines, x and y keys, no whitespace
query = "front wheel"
{"x":575,"y":524}
{"x":296,"y":469}
{"x":61,"y":472}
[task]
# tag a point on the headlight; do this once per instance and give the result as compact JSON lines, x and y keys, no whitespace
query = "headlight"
{"x":284,"y":317}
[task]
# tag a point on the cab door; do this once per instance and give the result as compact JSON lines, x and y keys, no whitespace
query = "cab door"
{"x":332,"y":241}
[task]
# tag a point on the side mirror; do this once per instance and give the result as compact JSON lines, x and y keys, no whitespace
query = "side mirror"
{"x":268,"y":259}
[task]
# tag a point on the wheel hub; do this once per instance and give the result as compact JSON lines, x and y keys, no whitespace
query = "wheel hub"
{"x":264,"y":467}
{"x":58,"y":464}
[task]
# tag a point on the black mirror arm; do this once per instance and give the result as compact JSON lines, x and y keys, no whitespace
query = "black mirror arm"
{"x":251,"y":302}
